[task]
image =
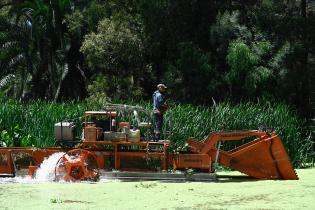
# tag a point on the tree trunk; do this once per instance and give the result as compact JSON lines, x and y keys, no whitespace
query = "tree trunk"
{"x":39,"y":78}
{"x":305,"y":87}
{"x":72,"y":84}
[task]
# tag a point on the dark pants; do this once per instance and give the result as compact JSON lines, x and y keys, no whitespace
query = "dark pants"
{"x":158,"y":120}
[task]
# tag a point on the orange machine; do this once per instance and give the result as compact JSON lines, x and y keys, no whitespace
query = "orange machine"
{"x":262,"y":158}
{"x":105,"y":146}
{"x":15,"y":158}
{"x":77,"y":164}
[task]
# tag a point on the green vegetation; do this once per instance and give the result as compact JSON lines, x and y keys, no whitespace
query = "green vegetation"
{"x":37,"y":119}
{"x":120,"y":50}
{"x":190,"y":121}
{"x":31,"y":124}
{"x":55,"y":200}
{"x":230,"y":194}
{"x":98,"y":51}
{"x":146,"y":185}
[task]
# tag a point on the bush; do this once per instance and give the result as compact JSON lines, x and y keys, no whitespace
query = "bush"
{"x":197,"y":121}
{"x":36,"y":122}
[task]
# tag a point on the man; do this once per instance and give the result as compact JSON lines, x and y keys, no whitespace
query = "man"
{"x":159,"y":108}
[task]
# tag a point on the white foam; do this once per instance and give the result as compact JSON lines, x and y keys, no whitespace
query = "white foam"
{"x":17,"y":179}
{"x":46,"y":171}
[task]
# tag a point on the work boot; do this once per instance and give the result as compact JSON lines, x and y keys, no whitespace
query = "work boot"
{"x":157,"y":137}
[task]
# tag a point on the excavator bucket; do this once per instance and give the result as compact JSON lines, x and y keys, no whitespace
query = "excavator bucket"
{"x":266,"y":159}
{"x":263,"y":158}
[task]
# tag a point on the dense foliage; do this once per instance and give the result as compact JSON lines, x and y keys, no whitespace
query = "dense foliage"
{"x":191,"y":121}
{"x":202,"y":49}
{"x":32,"y":124}
{"x":206,"y":51}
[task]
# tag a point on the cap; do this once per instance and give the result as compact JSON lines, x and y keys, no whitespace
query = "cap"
{"x":161,"y":85}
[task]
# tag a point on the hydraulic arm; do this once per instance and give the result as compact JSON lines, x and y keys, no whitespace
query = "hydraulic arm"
{"x":263,"y":158}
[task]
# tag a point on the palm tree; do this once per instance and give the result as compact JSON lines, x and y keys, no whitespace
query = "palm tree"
{"x":17,"y":51}
{"x":40,"y":41}
{"x":59,"y":54}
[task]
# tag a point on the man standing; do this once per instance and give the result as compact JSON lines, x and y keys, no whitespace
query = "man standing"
{"x":159,"y":108}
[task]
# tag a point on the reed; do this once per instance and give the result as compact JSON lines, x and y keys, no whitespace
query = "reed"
{"x":197,"y":121}
{"x":36,"y":121}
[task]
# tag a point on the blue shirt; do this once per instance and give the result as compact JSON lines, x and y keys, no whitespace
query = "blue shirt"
{"x":158,"y":100}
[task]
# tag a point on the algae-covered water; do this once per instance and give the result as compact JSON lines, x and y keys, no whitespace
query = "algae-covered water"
{"x":224,"y":194}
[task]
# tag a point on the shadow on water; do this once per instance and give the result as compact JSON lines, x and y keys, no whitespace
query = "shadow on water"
{"x":235,"y":178}
{"x":104,"y":179}
{"x":218,"y":179}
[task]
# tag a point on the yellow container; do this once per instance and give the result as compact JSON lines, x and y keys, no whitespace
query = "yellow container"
{"x":90,"y":133}
{"x":134,"y":135}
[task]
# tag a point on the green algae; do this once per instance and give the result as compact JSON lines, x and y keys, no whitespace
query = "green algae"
{"x":224,"y":194}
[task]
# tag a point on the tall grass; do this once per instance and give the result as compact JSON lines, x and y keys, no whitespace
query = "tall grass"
{"x":38,"y":118}
{"x":187,"y":120}
{"x":183,"y":121}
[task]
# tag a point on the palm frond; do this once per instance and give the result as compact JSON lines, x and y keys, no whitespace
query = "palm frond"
{"x":16,"y":60}
{"x":9,"y":45}
{"x":6,"y":80}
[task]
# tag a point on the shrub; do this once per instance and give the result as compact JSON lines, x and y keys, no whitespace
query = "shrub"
{"x":197,"y":121}
{"x":36,"y":122}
